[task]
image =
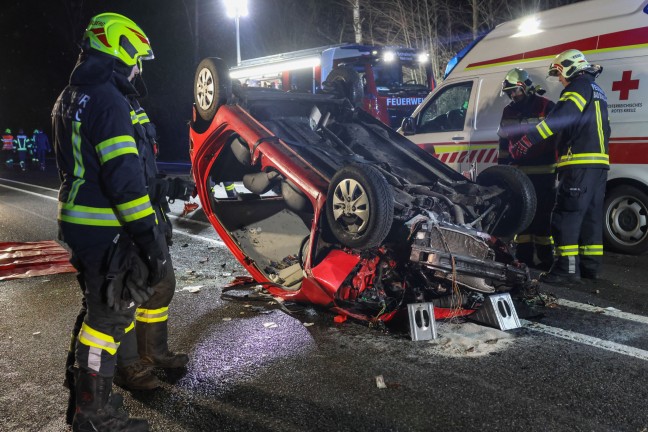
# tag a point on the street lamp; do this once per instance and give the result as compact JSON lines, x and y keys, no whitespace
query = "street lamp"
{"x":237,"y":9}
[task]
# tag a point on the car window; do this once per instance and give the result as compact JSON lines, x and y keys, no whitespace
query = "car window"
{"x":447,"y":110}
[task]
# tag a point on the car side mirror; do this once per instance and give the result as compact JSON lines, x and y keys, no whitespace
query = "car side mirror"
{"x":408,"y":127}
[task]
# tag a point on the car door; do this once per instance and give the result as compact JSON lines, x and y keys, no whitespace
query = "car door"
{"x":444,"y":123}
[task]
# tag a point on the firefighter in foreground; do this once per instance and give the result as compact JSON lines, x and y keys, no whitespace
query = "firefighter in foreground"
{"x":528,"y":108}
{"x":581,"y":119}
{"x":105,"y":214}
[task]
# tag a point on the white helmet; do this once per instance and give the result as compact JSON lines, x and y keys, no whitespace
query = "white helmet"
{"x":516,"y":78}
{"x":568,"y":64}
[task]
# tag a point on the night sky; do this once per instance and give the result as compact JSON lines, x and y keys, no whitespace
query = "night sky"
{"x":40,"y":38}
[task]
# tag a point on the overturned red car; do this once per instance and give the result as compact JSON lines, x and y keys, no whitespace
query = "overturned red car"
{"x":335,"y":208}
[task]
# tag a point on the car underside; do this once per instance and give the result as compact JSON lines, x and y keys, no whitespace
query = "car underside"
{"x":337,"y":209}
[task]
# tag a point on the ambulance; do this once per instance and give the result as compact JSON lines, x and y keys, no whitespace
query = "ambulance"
{"x":395,"y":79}
{"x":458,"y":121}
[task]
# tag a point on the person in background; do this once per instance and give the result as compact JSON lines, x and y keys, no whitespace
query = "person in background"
{"x":8,"y":148}
{"x":41,"y":148}
{"x":526,"y":109}
{"x":136,"y":357}
{"x":20,"y":144}
{"x":580,"y":120}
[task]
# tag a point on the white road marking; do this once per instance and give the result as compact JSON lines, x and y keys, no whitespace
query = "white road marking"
{"x":587,"y":340}
{"x":28,"y":184}
{"x":604,"y":311}
{"x":29,"y":192}
{"x":215,"y":242}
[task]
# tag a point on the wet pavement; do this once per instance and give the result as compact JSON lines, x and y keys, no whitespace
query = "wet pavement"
{"x":256,"y":366}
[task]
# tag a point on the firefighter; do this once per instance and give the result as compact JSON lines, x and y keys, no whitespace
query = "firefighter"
{"x":8,"y":148}
{"x":21,"y":143}
{"x":105,"y":214}
{"x":526,"y":109}
{"x":41,"y":148}
{"x":581,"y":119}
{"x":150,"y":349}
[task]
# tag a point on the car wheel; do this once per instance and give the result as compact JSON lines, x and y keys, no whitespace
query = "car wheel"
{"x":345,"y":82}
{"x":360,"y":206}
{"x":520,"y":197}
{"x":626,"y":220}
{"x":212,"y":87}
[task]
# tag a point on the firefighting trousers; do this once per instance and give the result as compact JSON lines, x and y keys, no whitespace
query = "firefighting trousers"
{"x":577,"y":221}
{"x":536,"y":239}
{"x":103,"y":328}
{"x":149,"y":316}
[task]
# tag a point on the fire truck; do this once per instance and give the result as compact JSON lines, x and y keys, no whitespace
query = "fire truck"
{"x":395,"y":79}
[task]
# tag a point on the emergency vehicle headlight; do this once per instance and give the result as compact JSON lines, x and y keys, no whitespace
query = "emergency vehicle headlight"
{"x":423,"y":57}
{"x":529,"y":26}
{"x":389,"y":56}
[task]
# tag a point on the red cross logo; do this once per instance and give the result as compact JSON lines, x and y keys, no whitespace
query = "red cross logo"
{"x":625,"y":85}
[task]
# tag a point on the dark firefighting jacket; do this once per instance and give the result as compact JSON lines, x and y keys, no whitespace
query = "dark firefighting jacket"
{"x":146,"y":139}
{"x":103,"y":189}
{"x":519,"y":119}
{"x":581,"y":116}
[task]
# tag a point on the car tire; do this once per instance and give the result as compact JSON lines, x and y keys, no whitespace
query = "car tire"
{"x":212,"y":87}
{"x":346,"y":81}
{"x":520,"y":196}
{"x":626,"y":220}
{"x":360,"y":206}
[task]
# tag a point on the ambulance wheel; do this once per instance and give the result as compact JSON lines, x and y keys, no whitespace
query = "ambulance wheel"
{"x":212,"y":87}
{"x":520,"y":198}
{"x":344,"y":81}
{"x":359,"y":206}
{"x":626,"y":220}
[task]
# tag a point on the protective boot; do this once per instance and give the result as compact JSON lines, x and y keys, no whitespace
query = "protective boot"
{"x":94,"y":411}
{"x":153,"y":347}
{"x":136,"y":376}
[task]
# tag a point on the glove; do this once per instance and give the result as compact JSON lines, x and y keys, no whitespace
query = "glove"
{"x":180,"y":189}
{"x":153,"y":257}
{"x":131,"y":287}
{"x":520,"y":148}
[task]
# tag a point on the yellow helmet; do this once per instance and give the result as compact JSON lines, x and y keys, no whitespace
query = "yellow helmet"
{"x":120,"y":37}
{"x":568,"y":63}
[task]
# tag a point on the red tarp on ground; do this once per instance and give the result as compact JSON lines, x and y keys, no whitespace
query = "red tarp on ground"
{"x":23,"y":260}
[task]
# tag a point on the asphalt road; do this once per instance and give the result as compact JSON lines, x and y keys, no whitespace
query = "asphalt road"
{"x":579,"y":365}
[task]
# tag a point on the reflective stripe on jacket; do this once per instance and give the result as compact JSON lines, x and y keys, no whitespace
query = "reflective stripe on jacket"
{"x":581,"y":115}
{"x":7,"y":142}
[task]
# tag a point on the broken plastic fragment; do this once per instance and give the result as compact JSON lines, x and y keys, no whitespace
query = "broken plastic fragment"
{"x":339,"y":319}
{"x":227,"y":319}
{"x":380,"y":382}
{"x":308,"y":324}
{"x":270,"y":325}
{"x":193,"y":288}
